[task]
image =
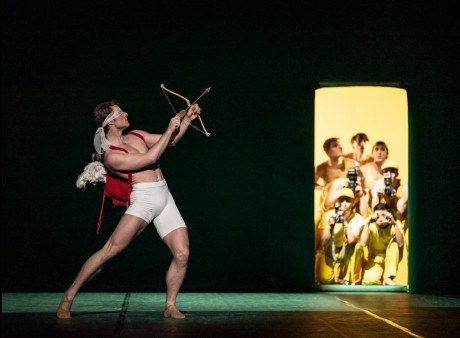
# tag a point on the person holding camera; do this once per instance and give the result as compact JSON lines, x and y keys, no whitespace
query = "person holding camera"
{"x":340,"y":230}
{"x":392,"y":190}
{"x":354,"y":182}
{"x":336,"y":166}
{"x":384,"y":237}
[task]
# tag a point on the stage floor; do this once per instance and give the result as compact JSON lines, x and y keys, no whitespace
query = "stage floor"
{"x":220,"y":315}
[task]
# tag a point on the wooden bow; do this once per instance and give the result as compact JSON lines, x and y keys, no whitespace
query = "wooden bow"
{"x":182,"y":113}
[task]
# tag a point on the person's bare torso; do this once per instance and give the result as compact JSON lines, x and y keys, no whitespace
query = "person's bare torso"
{"x":150,"y":173}
{"x":329,"y":173}
{"x":371,"y":175}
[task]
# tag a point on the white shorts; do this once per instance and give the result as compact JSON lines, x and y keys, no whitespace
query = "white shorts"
{"x":153,"y":201}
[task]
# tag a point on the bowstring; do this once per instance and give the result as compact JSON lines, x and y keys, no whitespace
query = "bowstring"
{"x":167,"y":98}
{"x":175,"y":112}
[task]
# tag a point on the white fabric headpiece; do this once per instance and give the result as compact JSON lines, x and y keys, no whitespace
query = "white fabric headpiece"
{"x":100,"y":142}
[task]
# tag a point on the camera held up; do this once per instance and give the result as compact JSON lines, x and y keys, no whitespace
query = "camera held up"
{"x":352,"y":178}
{"x":389,"y":191}
{"x":338,"y":218}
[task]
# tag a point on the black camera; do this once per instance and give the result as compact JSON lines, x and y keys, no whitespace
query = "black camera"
{"x":337,"y":218}
{"x":387,"y":180}
{"x":352,"y":177}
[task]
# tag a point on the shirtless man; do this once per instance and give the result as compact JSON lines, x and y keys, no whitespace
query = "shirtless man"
{"x":372,"y":172}
{"x":150,"y":197}
{"x":337,"y":165}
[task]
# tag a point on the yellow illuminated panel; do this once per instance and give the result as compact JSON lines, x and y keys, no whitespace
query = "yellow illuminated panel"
{"x":379,"y":112}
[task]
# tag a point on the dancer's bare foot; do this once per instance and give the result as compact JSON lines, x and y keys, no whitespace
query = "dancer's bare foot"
{"x":172,"y":312}
{"x":63,"y":311}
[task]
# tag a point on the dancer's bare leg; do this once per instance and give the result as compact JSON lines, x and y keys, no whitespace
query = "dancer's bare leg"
{"x":177,"y":241}
{"x":127,"y":229}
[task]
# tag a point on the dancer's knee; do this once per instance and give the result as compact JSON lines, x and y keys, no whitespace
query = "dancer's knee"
{"x":181,"y":256}
{"x":111,"y":252}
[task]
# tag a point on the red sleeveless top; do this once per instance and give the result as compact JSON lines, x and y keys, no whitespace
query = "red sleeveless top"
{"x":116,"y":187}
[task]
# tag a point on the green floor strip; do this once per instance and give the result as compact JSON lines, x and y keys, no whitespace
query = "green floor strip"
{"x":361,"y":288}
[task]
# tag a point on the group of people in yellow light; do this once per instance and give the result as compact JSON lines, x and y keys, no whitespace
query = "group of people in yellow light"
{"x":361,"y":220}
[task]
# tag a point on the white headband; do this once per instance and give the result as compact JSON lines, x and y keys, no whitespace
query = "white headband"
{"x":100,"y":142}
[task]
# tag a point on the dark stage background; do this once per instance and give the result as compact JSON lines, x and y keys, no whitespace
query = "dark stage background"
{"x":246,"y":192}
